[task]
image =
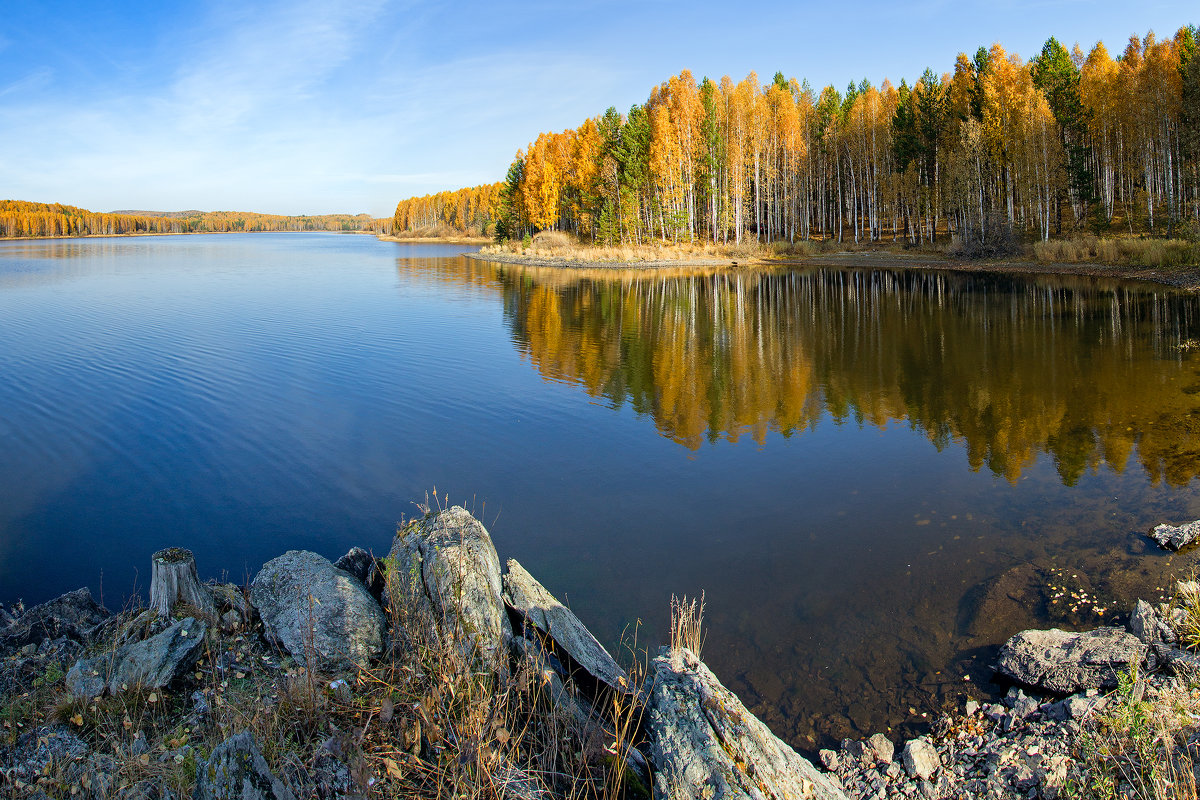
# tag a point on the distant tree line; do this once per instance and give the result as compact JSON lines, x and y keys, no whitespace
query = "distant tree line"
{"x":1066,"y":141}
{"x":470,"y":212}
{"x":20,"y":218}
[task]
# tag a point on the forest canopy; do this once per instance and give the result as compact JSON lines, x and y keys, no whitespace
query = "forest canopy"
{"x":1066,"y":141}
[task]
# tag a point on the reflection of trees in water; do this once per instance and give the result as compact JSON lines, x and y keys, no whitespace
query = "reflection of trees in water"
{"x":1011,"y":367}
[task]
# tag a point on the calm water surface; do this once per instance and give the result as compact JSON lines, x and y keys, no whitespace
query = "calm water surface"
{"x":874,"y":475}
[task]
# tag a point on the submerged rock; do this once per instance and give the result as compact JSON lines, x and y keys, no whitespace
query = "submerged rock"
{"x":1173,"y":537}
{"x":706,"y":744}
{"x":542,"y":610}
{"x":448,"y":569}
{"x":1062,"y":661}
{"x":312,"y":608}
{"x":236,"y":770}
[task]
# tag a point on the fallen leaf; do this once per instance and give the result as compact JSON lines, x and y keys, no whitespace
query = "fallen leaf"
{"x":153,"y":698}
{"x":77,"y":719}
{"x":386,"y":709}
{"x":393,"y":769}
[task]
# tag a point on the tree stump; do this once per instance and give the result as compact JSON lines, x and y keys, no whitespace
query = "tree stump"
{"x":173,"y":580}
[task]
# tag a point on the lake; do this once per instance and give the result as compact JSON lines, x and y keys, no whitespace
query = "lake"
{"x":874,"y":475}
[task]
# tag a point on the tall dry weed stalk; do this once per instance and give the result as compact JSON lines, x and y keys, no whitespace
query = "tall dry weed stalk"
{"x":687,"y":624}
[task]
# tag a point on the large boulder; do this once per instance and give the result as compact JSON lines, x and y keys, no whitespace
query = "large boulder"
{"x":447,"y":568}
{"x":154,"y":663}
{"x":706,"y":744}
{"x":1173,"y":537}
{"x":311,"y":608}
{"x":1063,"y":661}
{"x":72,"y":615}
{"x":542,"y":611}
{"x":236,"y":770}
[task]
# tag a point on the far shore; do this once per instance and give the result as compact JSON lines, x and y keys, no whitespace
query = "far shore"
{"x":1187,"y":278}
{"x":135,"y":234}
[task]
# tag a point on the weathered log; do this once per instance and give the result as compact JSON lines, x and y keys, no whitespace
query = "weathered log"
{"x":173,"y":580}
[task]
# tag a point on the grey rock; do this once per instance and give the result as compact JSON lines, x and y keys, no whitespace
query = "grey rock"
{"x":448,"y":570}
{"x":365,"y":567}
{"x":1143,"y":622}
{"x":85,"y":679}
{"x":146,"y":790}
{"x":72,"y":615}
{"x":829,"y":759}
{"x":542,"y":610}
{"x":311,"y":607}
{"x":229,"y":597}
{"x":236,"y":770}
{"x":882,"y":748}
{"x":1173,"y":537}
{"x":920,"y":759}
{"x":1062,"y":661}
{"x":39,"y":749}
{"x":971,"y":707}
{"x":1183,"y":663}
{"x":154,"y":663}
{"x":704,"y":743}
{"x":158,"y":661}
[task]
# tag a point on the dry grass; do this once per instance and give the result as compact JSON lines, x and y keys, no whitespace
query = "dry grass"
{"x":1127,"y":252}
{"x":687,"y":624}
{"x":556,"y":246}
{"x":1145,"y":743}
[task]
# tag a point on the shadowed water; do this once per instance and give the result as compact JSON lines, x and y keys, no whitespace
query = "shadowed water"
{"x":874,"y":475}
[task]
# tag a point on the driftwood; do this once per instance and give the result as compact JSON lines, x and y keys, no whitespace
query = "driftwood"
{"x":173,"y":580}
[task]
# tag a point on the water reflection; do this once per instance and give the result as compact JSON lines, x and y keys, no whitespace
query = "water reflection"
{"x":1087,"y":372}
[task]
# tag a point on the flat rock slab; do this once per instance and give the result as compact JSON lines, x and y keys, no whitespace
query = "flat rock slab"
{"x":448,"y":568}
{"x":706,"y":744}
{"x":314,"y":609}
{"x":154,"y":663}
{"x":543,"y":611}
{"x":1173,"y":537}
{"x":236,"y":770}
{"x":1065,"y":662}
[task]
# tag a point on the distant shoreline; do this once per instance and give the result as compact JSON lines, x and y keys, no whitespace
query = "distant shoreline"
{"x":150,"y":233}
{"x":1186,"y":278}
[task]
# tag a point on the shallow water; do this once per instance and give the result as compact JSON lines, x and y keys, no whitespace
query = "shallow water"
{"x":874,"y":475}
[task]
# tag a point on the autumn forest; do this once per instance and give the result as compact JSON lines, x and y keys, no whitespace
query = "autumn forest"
{"x":1065,"y":142}
{"x":24,"y":219}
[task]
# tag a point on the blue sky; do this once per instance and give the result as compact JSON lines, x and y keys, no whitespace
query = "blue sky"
{"x":319,"y":107}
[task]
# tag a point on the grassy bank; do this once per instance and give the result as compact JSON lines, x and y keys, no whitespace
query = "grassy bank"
{"x":550,"y":247}
{"x":558,"y":247}
{"x":1159,"y":253}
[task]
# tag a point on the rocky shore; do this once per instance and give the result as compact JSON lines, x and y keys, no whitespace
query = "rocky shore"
{"x":435,"y":671}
